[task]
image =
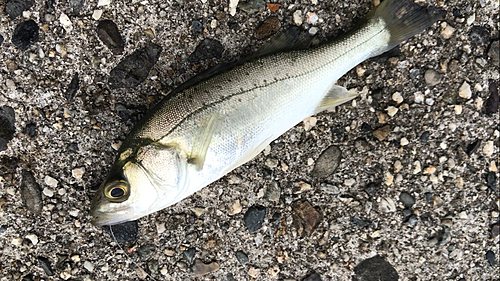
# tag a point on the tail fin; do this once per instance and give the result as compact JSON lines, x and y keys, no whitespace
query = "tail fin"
{"x":405,"y":18}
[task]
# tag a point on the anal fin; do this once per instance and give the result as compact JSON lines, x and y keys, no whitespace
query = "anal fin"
{"x":336,"y":95}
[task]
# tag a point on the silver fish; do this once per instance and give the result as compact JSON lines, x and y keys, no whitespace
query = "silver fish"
{"x":201,"y":132}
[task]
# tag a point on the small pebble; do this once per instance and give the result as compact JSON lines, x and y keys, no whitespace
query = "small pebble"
{"x":271,"y":163}
{"x":242,"y":257}
{"x":207,"y":49}
{"x":96,"y":14}
{"x":375,"y":268}
{"x":232,"y":7}
{"x":490,"y":256}
{"x":50,"y":181}
{"x":432,"y":78}
{"x":31,"y":193}
{"x":447,"y":32}
{"x":123,"y":232}
{"x":25,"y":34}
{"x":404,"y":141}
{"x":15,"y":8}
{"x":234,"y":208}
{"x":45,"y":265}
{"x":66,"y":22}
{"x":464,"y":91}
{"x":48,"y":192}
{"x":488,"y":148}
{"x":429,"y":170}
{"x":78,"y":172}
{"x":88,"y":266}
{"x":327,"y":163}
{"x":458,"y":109}
{"x":267,"y":28}
{"x":199,"y":268}
{"x":297,"y":17}
{"x":391,"y":110}
{"x":101,"y":3}
{"x":160,"y":228}
{"x":253,"y":272}
{"x":387,"y":205}
{"x":33,"y":238}
{"x":108,"y":33}
{"x":306,"y":218}
{"x":397,"y":97}
{"x":382,"y":132}
{"x":312,"y":18}
{"x":407,"y":200}
{"x":254,"y":217}
{"x":419,"y":97}
{"x":189,"y":255}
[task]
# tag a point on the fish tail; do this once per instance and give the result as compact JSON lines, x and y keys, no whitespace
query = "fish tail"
{"x":404,"y":19}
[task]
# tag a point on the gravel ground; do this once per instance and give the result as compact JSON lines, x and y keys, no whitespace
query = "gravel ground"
{"x":408,"y":188}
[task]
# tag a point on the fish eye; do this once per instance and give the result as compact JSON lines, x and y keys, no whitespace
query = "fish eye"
{"x":116,"y":190}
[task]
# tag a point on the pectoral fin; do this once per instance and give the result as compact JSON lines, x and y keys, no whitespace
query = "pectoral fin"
{"x":202,"y":142}
{"x":336,"y":95}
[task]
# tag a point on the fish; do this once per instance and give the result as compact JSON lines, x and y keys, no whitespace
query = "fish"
{"x":205,"y":129}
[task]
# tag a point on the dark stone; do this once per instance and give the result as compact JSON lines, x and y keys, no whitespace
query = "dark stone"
{"x":229,"y":277}
{"x":412,"y":221}
{"x":30,"y":130}
{"x":357,"y":221}
{"x":406,"y":214}
{"x":254,"y":217}
{"x":197,"y":26}
{"x":494,"y":52}
{"x":365,"y":127}
{"x":207,"y":49}
{"x":242,"y":257}
{"x":189,"y":255}
{"x":473,"y":147}
{"x":490,"y":256}
{"x":45,"y":265}
{"x":375,"y":269}
{"x":267,"y":28}
{"x":146,"y":251}
{"x":108,"y":32}
{"x":312,"y":277}
{"x":327,"y":162}
{"x":252,"y":6}
{"x":49,"y":5}
{"x":371,"y":189}
{"x":491,"y":104}
{"x":31,"y":193}
{"x":495,"y":230}
{"x":134,"y":69}
{"x":406,"y":199}
{"x":28,"y":277}
{"x":76,"y":6}
{"x":450,"y":96}
{"x":1,"y":40}
{"x":479,"y":35}
{"x":25,"y":34}
{"x":442,"y":237}
{"x":428,"y":196}
{"x":362,"y":145}
{"x":73,"y":87}
{"x":491,"y":180}
{"x":7,"y":127}
{"x":15,"y":8}
{"x":305,"y":217}
{"x":123,"y":232}
{"x":457,"y":13}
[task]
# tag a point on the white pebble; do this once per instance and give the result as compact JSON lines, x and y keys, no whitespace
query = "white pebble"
{"x":88,"y":266}
{"x":488,"y":148}
{"x":429,"y":101}
{"x":458,"y":109}
{"x":33,"y":238}
{"x":417,"y":167}
{"x":48,"y":192}
{"x":397,"y":166}
{"x":313,"y":30}
{"x":74,"y":212}
{"x":463,"y":215}
{"x":78,"y":172}
{"x":96,"y":15}
{"x":471,"y":19}
{"x":160,"y":228}
{"x":66,"y":22}
{"x":478,"y":103}
{"x":213,"y":24}
{"x":232,"y":7}
{"x":17,"y":242}
{"x":404,"y":141}
{"x":50,"y":181}
{"x":349,"y":182}
{"x":391,"y":110}
{"x":297,"y":17}
{"x":464,"y":91}
{"x":419,"y":97}
{"x":312,"y":18}
{"x":447,"y":32}
{"x":397,"y":97}
{"x":387,"y":205}
{"x":310,"y":162}
{"x":101,"y":3}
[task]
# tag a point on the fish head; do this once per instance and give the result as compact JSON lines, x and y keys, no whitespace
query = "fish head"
{"x":140,"y":182}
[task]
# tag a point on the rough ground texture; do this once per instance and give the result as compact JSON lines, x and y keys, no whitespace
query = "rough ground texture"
{"x":419,"y":196}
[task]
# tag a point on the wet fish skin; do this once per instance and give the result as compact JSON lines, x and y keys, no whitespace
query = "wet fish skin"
{"x":199,"y":133}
